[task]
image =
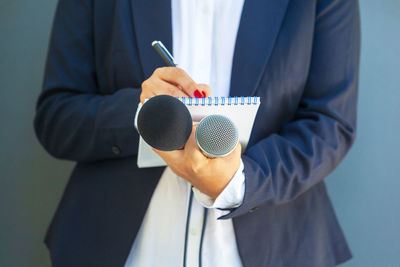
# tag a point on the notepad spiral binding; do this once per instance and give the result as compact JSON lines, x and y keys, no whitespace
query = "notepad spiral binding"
{"x":220,"y":101}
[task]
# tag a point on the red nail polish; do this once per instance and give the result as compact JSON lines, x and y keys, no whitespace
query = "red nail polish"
{"x":197,"y":94}
{"x":204,"y":93}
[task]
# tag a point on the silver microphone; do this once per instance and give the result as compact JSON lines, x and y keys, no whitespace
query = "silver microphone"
{"x":216,"y":136}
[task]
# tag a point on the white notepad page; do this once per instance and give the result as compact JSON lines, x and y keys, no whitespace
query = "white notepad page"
{"x":241,"y":110}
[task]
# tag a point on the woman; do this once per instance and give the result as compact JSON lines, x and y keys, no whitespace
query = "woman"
{"x":300,"y":57}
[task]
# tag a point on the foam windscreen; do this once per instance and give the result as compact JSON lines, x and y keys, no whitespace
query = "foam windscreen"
{"x":164,"y":122}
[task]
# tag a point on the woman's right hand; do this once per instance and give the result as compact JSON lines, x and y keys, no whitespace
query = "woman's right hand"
{"x":174,"y":82}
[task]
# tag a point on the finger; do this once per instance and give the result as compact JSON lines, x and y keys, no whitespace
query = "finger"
{"x":204,"y":89}
{"x":145,"y":95}
{"x":160,"y":87}
{"x":146,"y":89}
{"x":155,"y":86}
{"x":238,"y":151}
{"x":235,"y":155}
{"x":192,"y":148}
{"x":179,"y":78}
{"x":168,"y":156}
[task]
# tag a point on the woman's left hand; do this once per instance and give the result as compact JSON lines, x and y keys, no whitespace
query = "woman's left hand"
{"x":210,"y":176}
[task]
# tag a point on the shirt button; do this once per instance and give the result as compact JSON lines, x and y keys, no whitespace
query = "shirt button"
{"x":116,"y":150}
{"x":253,"y":209}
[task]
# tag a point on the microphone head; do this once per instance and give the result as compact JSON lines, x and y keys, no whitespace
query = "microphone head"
{"x":216,"y":136}
{"x":165,"y":123}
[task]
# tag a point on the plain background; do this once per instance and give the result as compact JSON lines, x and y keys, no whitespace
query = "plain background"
{"x":365,"y":189}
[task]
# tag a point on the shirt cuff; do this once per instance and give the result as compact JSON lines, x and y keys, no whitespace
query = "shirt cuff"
{"x":232,"y":195}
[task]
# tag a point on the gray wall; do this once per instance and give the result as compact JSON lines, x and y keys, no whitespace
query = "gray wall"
{"x":364,"y":189}
{"x":31,"y":182}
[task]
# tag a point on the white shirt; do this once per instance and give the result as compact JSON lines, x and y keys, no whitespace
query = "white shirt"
{"x":204,"y":35}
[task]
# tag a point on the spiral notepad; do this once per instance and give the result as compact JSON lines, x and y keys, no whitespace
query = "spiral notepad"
{"x":241,"y":110}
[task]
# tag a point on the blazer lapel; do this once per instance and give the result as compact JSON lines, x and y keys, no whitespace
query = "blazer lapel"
{"x":259,"y":27}
{"x":151,"y":21}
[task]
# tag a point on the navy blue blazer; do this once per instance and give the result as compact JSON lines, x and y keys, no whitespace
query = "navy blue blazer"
{"x":301,"y":57}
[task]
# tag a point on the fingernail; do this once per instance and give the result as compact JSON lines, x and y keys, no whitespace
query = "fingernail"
{"x":204,"y":93}
{"x":197,"y":94}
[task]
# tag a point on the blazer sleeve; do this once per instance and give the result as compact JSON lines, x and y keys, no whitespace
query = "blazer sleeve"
{"x":284,"y":165}
{"x":73,"y":120}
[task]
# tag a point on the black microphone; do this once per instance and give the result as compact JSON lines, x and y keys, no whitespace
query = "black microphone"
{"x":165,"y":123}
